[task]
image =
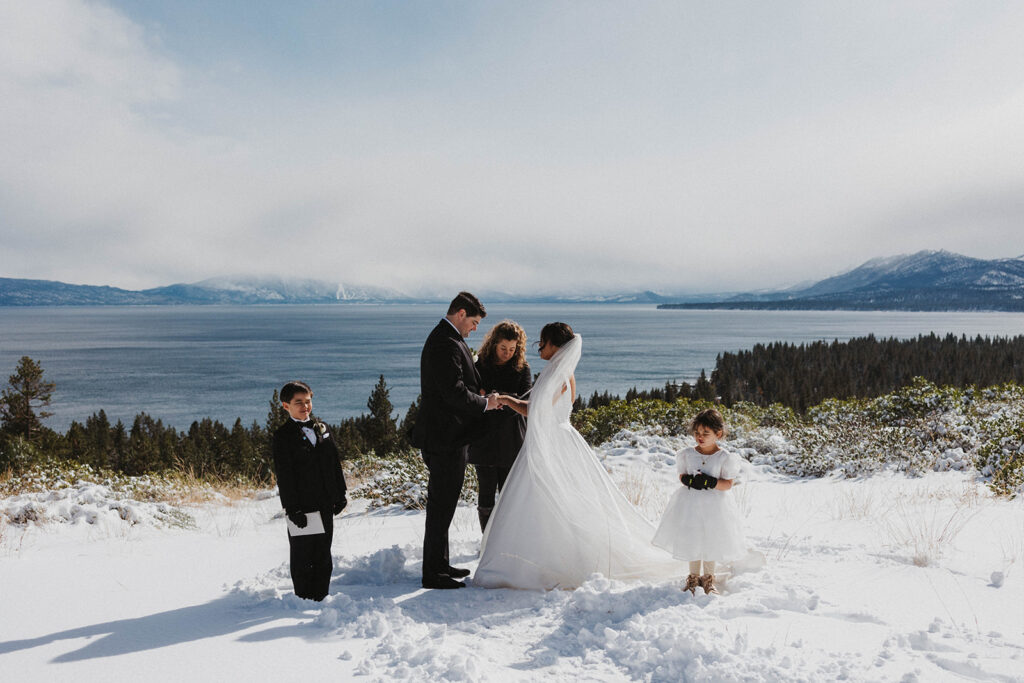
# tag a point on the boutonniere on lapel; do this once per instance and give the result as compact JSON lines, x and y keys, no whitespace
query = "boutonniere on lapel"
{"x":321,"y":429}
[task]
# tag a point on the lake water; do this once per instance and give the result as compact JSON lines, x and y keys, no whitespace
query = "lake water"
{"x":183,"y":363}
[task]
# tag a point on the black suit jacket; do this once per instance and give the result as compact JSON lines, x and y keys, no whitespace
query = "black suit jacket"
{"x":451,"y":409}
{"x":309,"y":478}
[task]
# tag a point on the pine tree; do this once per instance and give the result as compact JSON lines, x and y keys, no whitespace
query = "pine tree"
{"x":275,"y":415}
{"x":704,"y":389}
{"x":348,"y":439}
{"x":119,"y":446}
{"x":22,"y":403}
{"x":143,"y":453}
{"x":381,"y":431}
{"x":98,"y":445}
{"x":241,"y":454}
{"x":409,"y":423}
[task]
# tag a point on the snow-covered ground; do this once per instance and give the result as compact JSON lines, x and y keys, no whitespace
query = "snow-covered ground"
{"x":885,"y":578}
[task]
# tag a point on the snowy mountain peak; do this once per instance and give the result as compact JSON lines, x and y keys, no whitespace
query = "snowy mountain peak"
{"x":921,"y":269}
{"x":926,"y":280}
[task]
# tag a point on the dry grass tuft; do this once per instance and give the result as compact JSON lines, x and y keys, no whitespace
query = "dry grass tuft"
{"x":855,"y":502}
{"x":743,"y":495}
{"x":188,"y":488}
{"x":1012,"y":545}
{"x":926,"y":536}
{"x":640,"y":488}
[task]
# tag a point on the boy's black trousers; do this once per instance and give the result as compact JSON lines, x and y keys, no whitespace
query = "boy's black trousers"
{"x":311,"y":562}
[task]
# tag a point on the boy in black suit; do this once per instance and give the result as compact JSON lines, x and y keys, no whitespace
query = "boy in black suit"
{"x":309,"y":480}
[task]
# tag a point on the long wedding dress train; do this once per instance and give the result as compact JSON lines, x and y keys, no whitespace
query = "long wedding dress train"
{"x":560,"y":517}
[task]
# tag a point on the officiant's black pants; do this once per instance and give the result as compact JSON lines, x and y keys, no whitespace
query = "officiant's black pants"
{"x":311,"y":561}
{"x":491,"y":482}
{"x":447,"y":470}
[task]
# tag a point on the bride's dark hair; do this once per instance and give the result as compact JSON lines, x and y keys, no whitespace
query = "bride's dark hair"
{"x":506,"y":330}
{"x":558,"y":334}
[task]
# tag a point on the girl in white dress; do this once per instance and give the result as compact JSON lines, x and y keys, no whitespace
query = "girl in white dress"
{"x":560,"y":517}
{"x":701,"y":523}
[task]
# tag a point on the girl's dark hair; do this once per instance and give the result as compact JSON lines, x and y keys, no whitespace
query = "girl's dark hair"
{"x":558,"y":334}
{"x":506,"y":330}
{"x":468,"y":303}
{"x":710,"y":418}
{"x":289,"y":390}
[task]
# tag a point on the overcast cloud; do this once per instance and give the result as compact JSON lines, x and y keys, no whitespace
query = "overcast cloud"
{"x":523,"y":146}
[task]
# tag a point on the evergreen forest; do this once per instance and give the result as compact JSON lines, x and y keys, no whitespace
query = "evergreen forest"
{"x":797,"y":376}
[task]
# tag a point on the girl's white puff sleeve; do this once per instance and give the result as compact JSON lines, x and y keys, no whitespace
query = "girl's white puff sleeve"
{"x":681,"y":459}
{"x":731,"y":467}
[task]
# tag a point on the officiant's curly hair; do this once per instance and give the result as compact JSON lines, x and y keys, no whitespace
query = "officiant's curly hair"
{"x":506,"y":330}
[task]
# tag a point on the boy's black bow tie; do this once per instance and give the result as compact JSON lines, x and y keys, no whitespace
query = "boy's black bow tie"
{"x":307,"y":423}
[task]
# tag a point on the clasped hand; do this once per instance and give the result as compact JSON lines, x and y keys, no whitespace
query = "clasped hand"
{"x":699,"y":481}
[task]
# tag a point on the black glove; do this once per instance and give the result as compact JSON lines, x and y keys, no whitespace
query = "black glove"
{"x":686,"y":480}
{"x":298,"y":518}
{"x":702,"y":481}
{"x":340,"y":505}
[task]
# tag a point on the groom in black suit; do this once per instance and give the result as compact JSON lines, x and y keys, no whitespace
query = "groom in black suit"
{"x":450,"y":412}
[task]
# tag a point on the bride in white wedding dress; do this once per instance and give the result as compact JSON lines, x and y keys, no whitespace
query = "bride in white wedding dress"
{"x":560,"y":518}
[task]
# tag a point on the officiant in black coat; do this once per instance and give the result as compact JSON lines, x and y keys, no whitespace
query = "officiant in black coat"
{"x":503,"y":369}
{"x":309,"y":480}
{"x":450,"y":416}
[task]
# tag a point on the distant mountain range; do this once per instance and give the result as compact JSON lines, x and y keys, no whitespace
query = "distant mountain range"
{"x":242,"y":291}
{"x":925,"y":281}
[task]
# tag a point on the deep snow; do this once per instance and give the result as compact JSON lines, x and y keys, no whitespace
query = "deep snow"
{"x":883,"y":578}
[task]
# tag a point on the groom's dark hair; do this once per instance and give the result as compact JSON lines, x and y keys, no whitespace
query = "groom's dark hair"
{"x":468,"y":303}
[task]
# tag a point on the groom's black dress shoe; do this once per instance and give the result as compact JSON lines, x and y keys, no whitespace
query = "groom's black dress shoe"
{"x":458,"y":572}
{"x":441,"y":581}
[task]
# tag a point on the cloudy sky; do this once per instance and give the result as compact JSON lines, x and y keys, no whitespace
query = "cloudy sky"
{"x":524,"y":146}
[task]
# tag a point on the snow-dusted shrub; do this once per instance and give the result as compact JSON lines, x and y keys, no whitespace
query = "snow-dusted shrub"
{"x":171,"y":487}
{"x":18,"y":453}
{"x":1002,"y":456}
{"x":57,"y":474}
{"x":918,"y":429}
{"x":916,"y":400}
{"x":841,"y":436}
{"x":597,"y":425}
{"x":70,"y":493}
{"x":400,"y":479}
{"x":750,"y":415}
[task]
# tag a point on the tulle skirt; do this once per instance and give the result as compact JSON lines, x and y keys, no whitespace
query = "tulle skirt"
{"x":560,"y":519}
{"x":701,"y":525}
